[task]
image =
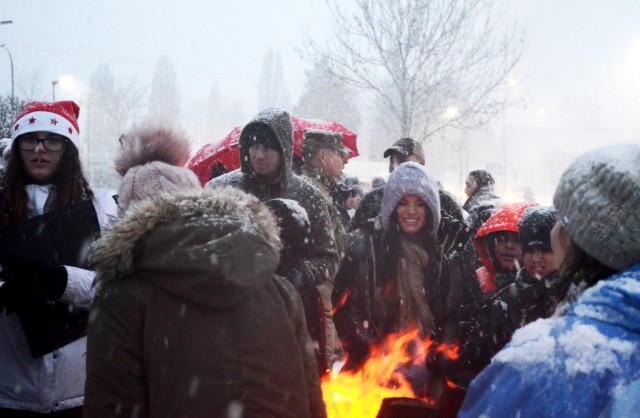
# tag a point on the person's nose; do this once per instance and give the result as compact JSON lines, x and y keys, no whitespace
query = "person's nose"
{"x":40,"y":148}
{"x":537,"y":255}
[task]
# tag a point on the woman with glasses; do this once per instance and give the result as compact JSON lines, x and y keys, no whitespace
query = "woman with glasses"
{"x":48,"y":218}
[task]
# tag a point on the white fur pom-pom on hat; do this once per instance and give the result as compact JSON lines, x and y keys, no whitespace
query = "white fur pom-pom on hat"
{"x":151,"y":160}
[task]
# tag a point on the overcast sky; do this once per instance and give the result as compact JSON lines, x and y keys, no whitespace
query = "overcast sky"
{"x":572,"y":45}
{"x":581,"y":69}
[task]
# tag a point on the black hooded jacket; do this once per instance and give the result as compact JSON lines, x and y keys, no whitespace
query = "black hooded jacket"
{"x":321,"y":261}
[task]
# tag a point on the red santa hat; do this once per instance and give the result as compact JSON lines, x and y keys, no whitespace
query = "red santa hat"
{"x":56,"y":117}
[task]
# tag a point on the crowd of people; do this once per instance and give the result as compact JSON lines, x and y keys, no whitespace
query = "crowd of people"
{"x":235,"y":297}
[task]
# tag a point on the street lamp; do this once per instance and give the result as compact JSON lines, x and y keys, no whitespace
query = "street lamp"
{"x":13,"y":97}
{"x":54,"y":83}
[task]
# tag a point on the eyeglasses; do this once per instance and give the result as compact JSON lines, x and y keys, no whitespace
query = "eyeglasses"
{"x":50,"y":143}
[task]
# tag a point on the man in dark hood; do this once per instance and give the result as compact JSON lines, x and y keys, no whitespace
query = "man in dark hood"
{"x":266,"y":152}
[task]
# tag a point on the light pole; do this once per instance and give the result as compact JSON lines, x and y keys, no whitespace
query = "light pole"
{"x":13,"y":97}
{"x":54,"y":83}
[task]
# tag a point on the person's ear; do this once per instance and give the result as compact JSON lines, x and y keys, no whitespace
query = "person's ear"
{"x":323,"y":155}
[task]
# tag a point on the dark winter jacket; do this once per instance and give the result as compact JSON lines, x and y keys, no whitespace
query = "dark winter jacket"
{"x":488,"y":324}
{"x":322,"y":260}
{"x":537,"y":298}
{"x":480,"y":206}
{"x":294,"y":234}
{"x":453,"y":235}
{"x":453,"y":231}
{"x":54,"y":381}
{"x":190,"y":320}
{"x":368,"y":210}
{"x":577,"y":365}
{"x":368,"y":273}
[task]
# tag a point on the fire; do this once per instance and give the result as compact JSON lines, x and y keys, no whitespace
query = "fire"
{"x":341,"y":302}
{"x":360,"y":394}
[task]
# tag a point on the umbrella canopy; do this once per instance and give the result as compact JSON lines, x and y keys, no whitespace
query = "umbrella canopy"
{"x":214,"y":159}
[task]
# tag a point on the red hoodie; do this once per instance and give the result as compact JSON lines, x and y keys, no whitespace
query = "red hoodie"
{"x":504,"y":219}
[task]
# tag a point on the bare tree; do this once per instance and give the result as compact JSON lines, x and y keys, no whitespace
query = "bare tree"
{"x":111,"y":107}
{"x":429,"y":63}
{"x":30,"y":86}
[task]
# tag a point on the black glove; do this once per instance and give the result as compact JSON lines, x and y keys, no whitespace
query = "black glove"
{"x":28,"y":282}
{"x":7,"y":299}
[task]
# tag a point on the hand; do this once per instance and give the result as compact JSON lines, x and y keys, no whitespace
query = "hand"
{"x":25,"y":277}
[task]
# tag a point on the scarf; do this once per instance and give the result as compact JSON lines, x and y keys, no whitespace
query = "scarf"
{"x":410,"y":278}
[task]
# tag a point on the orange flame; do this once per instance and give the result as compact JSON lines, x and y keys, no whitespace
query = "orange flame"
{"x":360,"y":394}
{"x":341,"y":302}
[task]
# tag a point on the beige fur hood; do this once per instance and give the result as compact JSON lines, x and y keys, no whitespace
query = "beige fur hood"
{"x":210,"y":248}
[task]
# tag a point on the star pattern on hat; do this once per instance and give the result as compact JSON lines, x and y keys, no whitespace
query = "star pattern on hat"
{"x":15,"y":128}
{"x":70,"y":130}
{"x":32,"y":120}
{"x":54,"y":121}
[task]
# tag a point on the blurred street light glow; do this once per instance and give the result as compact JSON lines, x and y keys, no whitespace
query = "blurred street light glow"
{"x":66,"y":82}
{"x":451,"y":112}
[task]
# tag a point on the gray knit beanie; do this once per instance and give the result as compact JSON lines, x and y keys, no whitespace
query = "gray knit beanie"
{"x":151,"y":160}
{"x":411,"y":179}
{"x":597,"y":201}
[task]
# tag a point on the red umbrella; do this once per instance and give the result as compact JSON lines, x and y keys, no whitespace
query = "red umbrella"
{"x":224,"y":156}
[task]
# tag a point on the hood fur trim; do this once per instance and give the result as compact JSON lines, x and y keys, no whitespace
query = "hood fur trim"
{"x":112,"y":254}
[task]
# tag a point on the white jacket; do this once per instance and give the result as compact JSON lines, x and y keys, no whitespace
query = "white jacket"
{"x":55,"y":381}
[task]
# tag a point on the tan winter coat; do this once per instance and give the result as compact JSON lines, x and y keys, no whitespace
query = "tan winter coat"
{"x":190,"y":320}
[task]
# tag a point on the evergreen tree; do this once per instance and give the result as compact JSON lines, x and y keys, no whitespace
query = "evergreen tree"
{"x":272,"y":88}
{"x":164,"y":99}
{"x":328,"y":98}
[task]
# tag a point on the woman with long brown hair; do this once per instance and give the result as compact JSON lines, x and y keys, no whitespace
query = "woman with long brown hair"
{"x":48,"y":218}
{"x":389,"y":281}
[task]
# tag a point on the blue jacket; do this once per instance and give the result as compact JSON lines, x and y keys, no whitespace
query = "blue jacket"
{"x":577,"y":365}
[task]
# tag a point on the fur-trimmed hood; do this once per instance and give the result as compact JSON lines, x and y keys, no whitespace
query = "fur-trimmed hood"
{"x":210,"y":248}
